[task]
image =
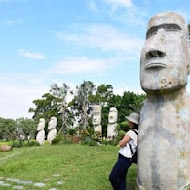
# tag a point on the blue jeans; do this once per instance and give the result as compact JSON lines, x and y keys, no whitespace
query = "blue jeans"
{"x":119,"y":172}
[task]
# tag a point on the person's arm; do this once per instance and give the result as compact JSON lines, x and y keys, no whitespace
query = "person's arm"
{"x":125,"y":139}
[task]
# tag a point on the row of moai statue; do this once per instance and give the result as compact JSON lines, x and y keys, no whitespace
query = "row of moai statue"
{"x":40,"y":137}
{"x":112,"y":121}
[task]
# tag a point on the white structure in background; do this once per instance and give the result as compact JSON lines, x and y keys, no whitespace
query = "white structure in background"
{"x":40,"y":137}
{"x":112,"y":123}
{"x":52,"y":129}
{"x":96,"y":120}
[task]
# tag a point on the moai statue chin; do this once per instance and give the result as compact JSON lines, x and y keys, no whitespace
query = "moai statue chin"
{"x":52,"y":129}
{"x":40,"y":137}
{"x":164,"y":128}
{"x":96,"y":120}
{"x":112,"y":123}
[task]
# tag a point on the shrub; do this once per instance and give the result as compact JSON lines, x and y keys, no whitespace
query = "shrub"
{"x":120,"y":135}
{"x":88,"y":141}
{"x":32,"y":143}
{"x":19,"y":143}
{"x":59,"y":137}
{"x":66,"y":141}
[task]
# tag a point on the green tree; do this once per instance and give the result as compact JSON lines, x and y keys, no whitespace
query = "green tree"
{"x":129,"y":102}
{"x":26,"y":127}
{"x":2,"y":128}
{"x":44,"y":108}
{"x":10,"y":129}
{"x":62,"y":93}
{"x":81,"y":103}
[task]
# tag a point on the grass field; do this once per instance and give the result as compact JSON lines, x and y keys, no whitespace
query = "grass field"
{"x":67,"y":167}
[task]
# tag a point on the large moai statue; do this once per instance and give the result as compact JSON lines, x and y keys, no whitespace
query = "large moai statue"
{"x":52,"y":129}
{"x":164,"y":128}
{"x":96,"y":120}
{"x":112,"y":123}
{"x":40,"y":137}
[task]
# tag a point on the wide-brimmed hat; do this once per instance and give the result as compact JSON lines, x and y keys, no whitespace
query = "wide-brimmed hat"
{"x":133,"y":117}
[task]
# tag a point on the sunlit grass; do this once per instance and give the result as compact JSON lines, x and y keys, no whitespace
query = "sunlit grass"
{"x":79,"y":167}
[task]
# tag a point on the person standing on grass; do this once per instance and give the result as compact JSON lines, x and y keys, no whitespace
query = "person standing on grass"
{"x":119,"y":172}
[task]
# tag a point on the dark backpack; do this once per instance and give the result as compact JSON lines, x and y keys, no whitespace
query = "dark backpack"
{"x":134,"y":155}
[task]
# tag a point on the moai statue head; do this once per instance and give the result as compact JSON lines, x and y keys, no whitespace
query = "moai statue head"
{"x":41,"y":124}
{"x":96,"y":120}
{"x":165,"y":59}
{"x":52,"y":123}
{"x":112,"y":117}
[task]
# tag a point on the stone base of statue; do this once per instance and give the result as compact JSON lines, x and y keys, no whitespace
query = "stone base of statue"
{"x":51,"y":135}
{"x":98,"y":128}
{"x":111,"y":131}
{"x":40,"y":137}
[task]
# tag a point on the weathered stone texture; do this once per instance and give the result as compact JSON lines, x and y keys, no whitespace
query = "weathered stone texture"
{"x":164,"y":129}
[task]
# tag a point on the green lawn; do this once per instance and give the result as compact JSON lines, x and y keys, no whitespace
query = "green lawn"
{"x":77,"y":167}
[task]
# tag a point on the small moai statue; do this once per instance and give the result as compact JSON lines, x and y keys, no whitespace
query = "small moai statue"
{"x":96,"y":120}
{"x":52,"y":129}
{"x":112,"y":123}
{"x":164,"y":127}
{"x":40,"y":137}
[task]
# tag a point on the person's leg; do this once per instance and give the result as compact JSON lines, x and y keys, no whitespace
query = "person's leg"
{"x":119,"y":170}
{"x":122,"y":178}
{"x":114,"y":175}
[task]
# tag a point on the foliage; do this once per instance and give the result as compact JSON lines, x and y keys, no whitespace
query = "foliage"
{"x":22,"y":143}
{"x":129,"y":102}
{"x":62,"y":93}
{"x":7,"y":129}
{"x":44,"y":108}
{"x":89,"y":141}
{"x":25,"y":127}
{"x":59,"y":137}
{"x":81,"y":103}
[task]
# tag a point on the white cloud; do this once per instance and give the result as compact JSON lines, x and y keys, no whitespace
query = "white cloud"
{"x":15,"y":100}
{"x":104,"y":37}
{"x":118,"y":3}
{"x":121,"y":88}
{"x":92,"y":5}
{"x":29,"y":54}
{"x":73,"y":65}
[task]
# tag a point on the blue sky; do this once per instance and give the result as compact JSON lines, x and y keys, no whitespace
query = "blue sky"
{"x":68,"y":41}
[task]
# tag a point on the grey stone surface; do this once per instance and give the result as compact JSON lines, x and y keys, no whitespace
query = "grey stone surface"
{"x":164,"y":128}
{"x":5,"y":184}
{"x":39,"y":184}
{"x":40,"y":137}
{"x":1,"y":182}
{"x":52,"y":129}
{"x":60,"y":182}
{"x":55,"y":175}
{"x":96,"y":120}
{"x":24,"y":182}
{"x":112,"y":123}
{"x":18,"y":187}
